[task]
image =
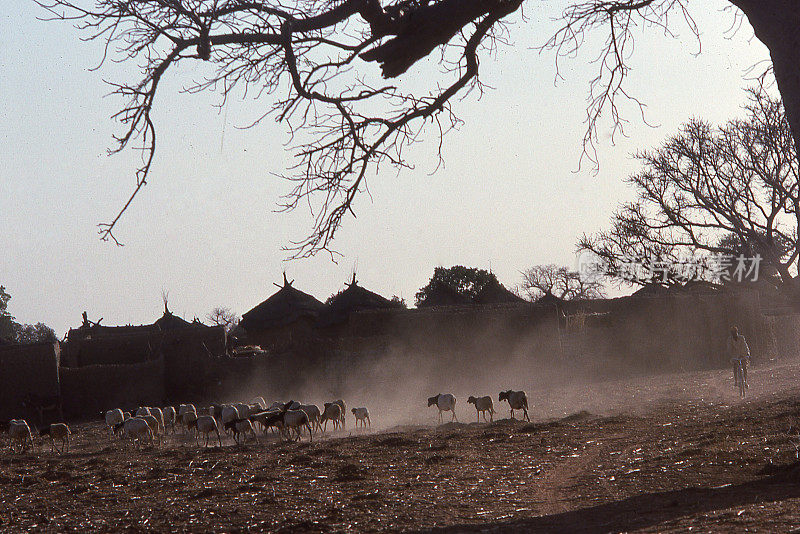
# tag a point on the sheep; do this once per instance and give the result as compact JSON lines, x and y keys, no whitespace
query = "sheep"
{"x":332,"y":412}
{"x":362,"y":414}
{"x":342,"y":405}
{"x":189,"y":421}
{"x":445,"y":402}
{"x":482,"y":404}
{"x":143,"y":410}
{"x":207,"y":424}
{"x":260,"y":402}
{"x":230,"y":413}
{"x":159,"y":415}
{"x":243,"y":409}
{"x":126,"y":416}
{"x":136,"y":429}
{"x":169,"y":417}
{"x":268,"y":419}
{"x":20,"y":434}
{"x":296,"y":420}
{"x":57,"y":431}
{"x":183,"y":408}
{"x":517,"y":400}
{"x":114,"y":418}
{"x":313,"y":413}
{"x":241,"y":426}
{"x":154,"y":425}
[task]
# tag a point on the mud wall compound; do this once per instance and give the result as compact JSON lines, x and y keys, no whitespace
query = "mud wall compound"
{"x":24,"y":370}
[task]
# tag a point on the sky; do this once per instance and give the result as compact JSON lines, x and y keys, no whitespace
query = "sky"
{"x":205,"y":229}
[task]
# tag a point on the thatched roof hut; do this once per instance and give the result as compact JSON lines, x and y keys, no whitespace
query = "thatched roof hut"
{"x":442,"y":294}
{"x":352,"y":299}
{"x":282,"y":308}
{"x":168,"y":321}
{"x":495,"y":293}
{"x":548,"y":299}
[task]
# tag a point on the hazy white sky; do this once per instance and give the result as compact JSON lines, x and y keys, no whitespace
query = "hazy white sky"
{"x":205,"y":229}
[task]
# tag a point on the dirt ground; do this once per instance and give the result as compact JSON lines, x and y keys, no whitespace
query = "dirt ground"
{"x":667,"y":453}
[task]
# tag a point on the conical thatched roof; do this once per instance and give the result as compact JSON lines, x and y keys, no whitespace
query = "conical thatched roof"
{"x":168,"y":321}
{"x":284,"y":307}
{"x":442,"y":294}
{"x":354,"y":298}
{"x":495,"y":293}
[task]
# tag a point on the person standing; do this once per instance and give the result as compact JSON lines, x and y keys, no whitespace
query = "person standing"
{"x":738,"y":351}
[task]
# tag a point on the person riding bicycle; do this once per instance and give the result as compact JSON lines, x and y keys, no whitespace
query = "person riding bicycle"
{"x":738,"y":352}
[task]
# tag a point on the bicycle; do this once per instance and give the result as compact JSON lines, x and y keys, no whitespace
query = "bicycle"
{"x":739,"y":378}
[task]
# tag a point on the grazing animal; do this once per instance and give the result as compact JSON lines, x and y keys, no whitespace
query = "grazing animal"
{"x":313,"y":413}
{"x":190,"y":421}
{"x":343,"y":406}
{"x":445,"y":402}
{"x":362,"y":415}
{"x":268,"y":419}
{"x":183,"y":408}
{"x":482,"y":405}
{"x":332,"y":412}
{"x":241,"y":427}
{"x":154,"y":425}
{"x":205,"y":425}
{"x":20,"y":434}
{"x":296,"y":420}
{"x":229,"y":413}
{"x":260,"y":402}
{"x":136,"y":429}
{"x":517,"y":400}
{"x":113,"y":419}
{"x":57,"y":431}
{"x":169,"y":417}
{"x":143,"y":410}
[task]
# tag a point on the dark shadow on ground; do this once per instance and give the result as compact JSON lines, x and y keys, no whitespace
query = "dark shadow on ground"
{"x":651,"y":509}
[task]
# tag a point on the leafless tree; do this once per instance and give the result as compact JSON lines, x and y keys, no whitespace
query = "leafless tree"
{"x":541,"y":280}
{"x":223,"y":316}
{"x":724,"y":191}
{"x":311,"y":58}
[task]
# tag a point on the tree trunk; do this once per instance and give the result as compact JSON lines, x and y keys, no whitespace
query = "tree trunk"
{"x":777,"y":24}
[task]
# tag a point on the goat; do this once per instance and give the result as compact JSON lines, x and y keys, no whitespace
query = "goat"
{"x":445,"y":402}
{"x":169,"y":417}
{"x":362,"y":414}
{"x":57,"y":431}
{"x":482,"y":404}
{"x":268,"y":419}
{"x":517,"y":400}
{"x":331,"y":412}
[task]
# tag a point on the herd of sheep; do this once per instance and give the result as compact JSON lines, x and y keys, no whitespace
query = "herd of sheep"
{"x":150,"y":425}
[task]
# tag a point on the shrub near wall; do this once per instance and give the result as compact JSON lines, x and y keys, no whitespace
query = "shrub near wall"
{"x":26,"y":369}
{"x":89,"y":390}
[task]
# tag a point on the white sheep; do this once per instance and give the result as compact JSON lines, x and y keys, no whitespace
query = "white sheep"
{"x":143,"y":410}
{"x":331,"y":412}
{"x":169,"y":417}
{"x":482,"y":405}
{"x":113,"y":419}
{"x":296,"y":420}
{"x":155,"y":427}
{"x":205,"y":425}
{"x":517,"y":400}
{"x":20,"y":434}
{"x":343,"y":406}
{"x":184,"y":408}
{"x":230,"y":413}
{"x":57,"y":431}
{"x":159,"y":415}
{"x":313,"y":413}
{"x":136,"y":429}
{"x":189,"y":420}
{"x":445,"y":402}
{"x":260,"y":402}
{"x":362,"y":415}
{"x":241,"y":427}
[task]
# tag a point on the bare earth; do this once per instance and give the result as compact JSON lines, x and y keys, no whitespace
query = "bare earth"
{"x":662,"y":454}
